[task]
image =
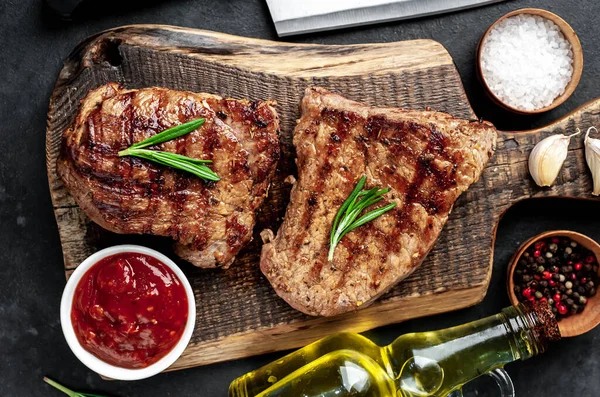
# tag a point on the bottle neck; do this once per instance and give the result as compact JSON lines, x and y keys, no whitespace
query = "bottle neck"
{"x":464,"y":352}
{"x":525,"y":331}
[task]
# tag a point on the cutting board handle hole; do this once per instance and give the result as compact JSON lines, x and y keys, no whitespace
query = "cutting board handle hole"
{"x":108,"y":51}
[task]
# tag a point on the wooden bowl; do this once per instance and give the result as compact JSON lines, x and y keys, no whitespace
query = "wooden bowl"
{"x":576,"y":324}
{"x":567,"y":32}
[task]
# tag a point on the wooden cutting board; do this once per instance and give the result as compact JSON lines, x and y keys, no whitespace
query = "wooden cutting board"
{"x":239,"y":315}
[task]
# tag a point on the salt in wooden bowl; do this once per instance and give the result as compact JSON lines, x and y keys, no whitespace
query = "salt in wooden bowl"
{"x":571,"y":37}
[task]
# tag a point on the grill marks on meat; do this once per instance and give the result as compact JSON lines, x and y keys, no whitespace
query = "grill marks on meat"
{"x":210,"y":221}
{"x":427,"y":158}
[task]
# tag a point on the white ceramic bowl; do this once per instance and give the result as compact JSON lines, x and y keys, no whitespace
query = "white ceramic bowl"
{"x":94,"y":363}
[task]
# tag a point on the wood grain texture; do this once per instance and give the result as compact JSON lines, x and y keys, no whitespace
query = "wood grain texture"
{"x":239,"y":315}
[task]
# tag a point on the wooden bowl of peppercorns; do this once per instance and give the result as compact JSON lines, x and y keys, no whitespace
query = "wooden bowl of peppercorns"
{"x":559,"y":267}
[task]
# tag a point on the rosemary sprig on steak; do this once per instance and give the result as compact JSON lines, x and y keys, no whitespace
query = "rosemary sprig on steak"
{"x":346,"y":218}
{"x":168,"y":134}
{"x":173,"y":160}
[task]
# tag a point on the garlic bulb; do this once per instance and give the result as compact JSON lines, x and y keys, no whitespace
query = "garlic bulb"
{"x":547,"y":157}
{"x":592,"y":157}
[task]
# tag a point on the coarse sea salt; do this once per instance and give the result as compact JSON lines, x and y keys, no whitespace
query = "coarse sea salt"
{"x":526,"y":61}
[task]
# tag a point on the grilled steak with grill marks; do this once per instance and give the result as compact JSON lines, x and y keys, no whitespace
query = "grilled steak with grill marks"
{"x":211,"y":221}
{"x":427,"y":159}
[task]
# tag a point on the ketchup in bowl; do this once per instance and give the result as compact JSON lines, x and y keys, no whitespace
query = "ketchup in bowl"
{"x":129,"y":310}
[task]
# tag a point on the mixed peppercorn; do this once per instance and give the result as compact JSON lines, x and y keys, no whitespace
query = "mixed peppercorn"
{"x":559,"y":271}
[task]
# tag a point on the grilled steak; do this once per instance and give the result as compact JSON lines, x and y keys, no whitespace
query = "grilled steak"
{"x":210,"y":221}
{"x":427,"y":159}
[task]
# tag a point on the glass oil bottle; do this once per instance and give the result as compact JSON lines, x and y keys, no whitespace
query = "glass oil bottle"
{"x":415,"y":365}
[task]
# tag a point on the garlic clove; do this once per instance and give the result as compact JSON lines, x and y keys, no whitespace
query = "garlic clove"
{"x":547,"y":158}
{"x":592,"y":158}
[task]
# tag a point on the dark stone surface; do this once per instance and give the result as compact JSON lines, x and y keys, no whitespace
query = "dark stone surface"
{"x":33,"y":45}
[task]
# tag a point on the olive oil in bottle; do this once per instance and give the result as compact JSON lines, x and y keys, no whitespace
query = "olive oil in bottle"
{"x":414,"y":365}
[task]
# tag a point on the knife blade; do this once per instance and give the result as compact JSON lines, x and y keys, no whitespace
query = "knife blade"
{"x":307,"y":16}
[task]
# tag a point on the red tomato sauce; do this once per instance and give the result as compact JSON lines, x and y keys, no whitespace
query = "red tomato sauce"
{"x":129,"y":310}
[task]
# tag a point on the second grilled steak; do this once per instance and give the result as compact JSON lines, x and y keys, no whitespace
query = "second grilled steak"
{"x":427,"y":159}
{"x":210,"y":221}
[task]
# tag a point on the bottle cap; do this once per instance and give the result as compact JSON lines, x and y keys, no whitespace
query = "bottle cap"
{"x":547,"y":327}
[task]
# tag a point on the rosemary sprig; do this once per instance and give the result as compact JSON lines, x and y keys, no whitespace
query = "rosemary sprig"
{"x":346,"y":218}
{"x":173,"y":160}
{"x":69,"y":392}
{"x":171,"y":133}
